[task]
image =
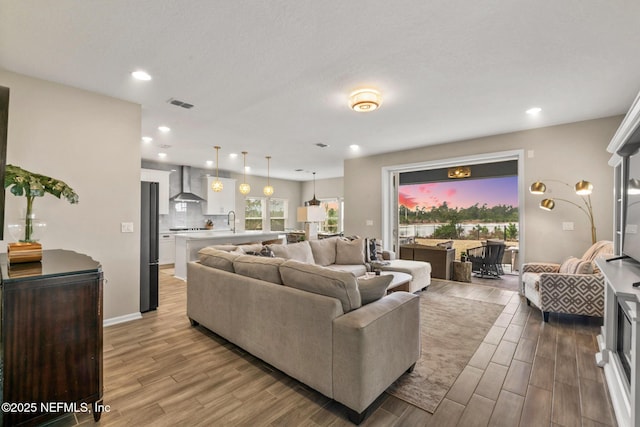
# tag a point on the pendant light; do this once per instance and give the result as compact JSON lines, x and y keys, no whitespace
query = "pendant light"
{"x":314,"y":201}
{"x":244,"y":187}
{"x":268,"y":190}
{"x":217,"y":184}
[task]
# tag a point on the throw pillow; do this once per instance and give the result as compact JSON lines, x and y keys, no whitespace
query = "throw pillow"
{"x":324,"y":251}
{"x":323,"y":281}
{"x":569,"y":265}
{"x":216,"y":258}
{"x":584,"y":267}
{"x":300,"y":251}
{"x":374,"y":250}
{"x":373,"y":288}
{"x":350,"y":252}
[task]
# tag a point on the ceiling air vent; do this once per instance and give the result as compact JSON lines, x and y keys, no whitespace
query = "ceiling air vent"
{"x":179,"y":103}
{"x":321,"y":145}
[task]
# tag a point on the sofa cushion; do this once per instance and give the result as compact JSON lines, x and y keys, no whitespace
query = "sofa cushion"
{"x":350,"y":252}
{"x":250,"y":247}
{"x":320,"y":280}
{"x":300,"y":251}
{"x":356,"y":269}
{"x":216,"y":258}
{"x":373,"y":288}
{"x":263,"y":268}
{"x":324,"y":251}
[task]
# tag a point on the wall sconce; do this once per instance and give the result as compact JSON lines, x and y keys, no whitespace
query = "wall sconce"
{"x":459,"y":172}
{"x":582,"y":188}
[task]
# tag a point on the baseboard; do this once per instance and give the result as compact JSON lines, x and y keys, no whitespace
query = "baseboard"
{"x":121,"y":319}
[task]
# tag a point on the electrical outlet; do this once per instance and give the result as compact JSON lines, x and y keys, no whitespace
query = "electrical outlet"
{"x":369,"y":222}
{"x":126,"y":227}
{"x":567,"y":226}
{"x":530,"y":154}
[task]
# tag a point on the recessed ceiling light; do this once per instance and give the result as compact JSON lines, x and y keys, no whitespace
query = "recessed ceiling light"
{"x":247,"y":168}
{"x":209,"y":162}
{"x":533,"y":111}
{"x":233,"y":155}
{"x":147,"y":139}
{"x":354,"y":147}
{"x":162,"y":155}
{"x":164,"y":128}
{"x":141,"y":75}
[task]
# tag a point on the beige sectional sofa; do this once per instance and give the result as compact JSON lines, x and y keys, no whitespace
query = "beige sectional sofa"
{"x":309,"y":321}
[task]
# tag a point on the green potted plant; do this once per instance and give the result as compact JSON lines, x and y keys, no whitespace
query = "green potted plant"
{"x":32,"y":185}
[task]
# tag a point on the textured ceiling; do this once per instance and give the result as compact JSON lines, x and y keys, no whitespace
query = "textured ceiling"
{"x":273,"y":77}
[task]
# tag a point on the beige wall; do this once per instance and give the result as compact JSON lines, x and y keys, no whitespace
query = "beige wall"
{"x":92,"y":142}
{"x":566,"y":152}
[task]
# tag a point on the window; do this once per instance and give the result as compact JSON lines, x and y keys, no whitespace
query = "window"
{"x":265,"y":214}
{"x":278,"y":209}
{"x":253,"y":213}
{"x":333,"y":223}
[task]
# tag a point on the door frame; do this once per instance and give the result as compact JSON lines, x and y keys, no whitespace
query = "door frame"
{"x":390,"y":182}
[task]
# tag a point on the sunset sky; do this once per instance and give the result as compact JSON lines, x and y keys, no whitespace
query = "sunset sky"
{"x":461,"y":193}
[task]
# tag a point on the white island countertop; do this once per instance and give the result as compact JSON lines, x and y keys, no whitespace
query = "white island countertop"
{"x":189,"y":243}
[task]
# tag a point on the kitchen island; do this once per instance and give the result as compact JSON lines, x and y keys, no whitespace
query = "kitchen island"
{"x":189,"y":243}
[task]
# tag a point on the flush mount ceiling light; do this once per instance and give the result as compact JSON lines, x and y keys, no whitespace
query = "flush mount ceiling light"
{"x":244,"y":187}
{"x":164,"y":129}
{"x":217,"y":184}
{"x":365,"y":100}
{"x":141,"y":75}
{"x":459,"y":172}
{"x":268,"y":190}
{"x":162,"y":155}
{"x":147,"y":139}
{"x":533,"y":111}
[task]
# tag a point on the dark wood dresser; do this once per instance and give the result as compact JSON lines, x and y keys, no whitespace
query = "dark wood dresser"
{"x":51,"y":337}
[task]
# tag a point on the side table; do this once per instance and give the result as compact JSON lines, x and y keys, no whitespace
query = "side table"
{"x":461,"y":271}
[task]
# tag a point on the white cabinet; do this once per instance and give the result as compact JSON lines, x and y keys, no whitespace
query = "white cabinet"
{"x":222,"y":202}
{"x":167,"y":248}
{"x":162,"y":178}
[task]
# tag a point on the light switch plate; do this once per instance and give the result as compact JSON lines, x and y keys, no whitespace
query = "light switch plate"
{"x":567,"y":226}
{"x":369,"y":222}
{"x":126,"y":227}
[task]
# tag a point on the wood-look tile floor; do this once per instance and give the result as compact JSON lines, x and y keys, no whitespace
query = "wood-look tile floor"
{"x":161,"y":371}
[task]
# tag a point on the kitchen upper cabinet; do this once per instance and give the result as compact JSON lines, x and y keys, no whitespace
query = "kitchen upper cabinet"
{"x":162,"y":178}
{"x":223,"y":202}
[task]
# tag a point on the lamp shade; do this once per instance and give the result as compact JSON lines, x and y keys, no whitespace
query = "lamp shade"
{"x":584,"y":188}
{"x":311,"y":214}
{"x":537,"y":188}
{"x":547,"y":204}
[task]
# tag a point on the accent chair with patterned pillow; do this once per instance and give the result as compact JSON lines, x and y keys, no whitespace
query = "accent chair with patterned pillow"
{"x":574,"y":287}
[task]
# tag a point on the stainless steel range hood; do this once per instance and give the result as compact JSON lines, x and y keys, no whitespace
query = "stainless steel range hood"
{"x":185,"y":194}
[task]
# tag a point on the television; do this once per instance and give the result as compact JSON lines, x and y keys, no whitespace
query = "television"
{"x":4,"y":126}
{"x":631,"y":198}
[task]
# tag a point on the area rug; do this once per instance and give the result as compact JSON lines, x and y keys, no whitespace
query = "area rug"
{"x":451,"y":330}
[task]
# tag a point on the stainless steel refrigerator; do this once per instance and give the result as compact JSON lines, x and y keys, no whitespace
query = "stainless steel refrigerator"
{"x":149,"y":247}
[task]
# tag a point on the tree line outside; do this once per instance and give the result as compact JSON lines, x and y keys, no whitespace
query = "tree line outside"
{"x":451,"y":221}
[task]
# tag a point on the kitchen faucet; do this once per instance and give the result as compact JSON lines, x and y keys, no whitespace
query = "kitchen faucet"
{"x":234,"y":221}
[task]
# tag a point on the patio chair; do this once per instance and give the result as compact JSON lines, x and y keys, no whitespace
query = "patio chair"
{"x":486,"y":260}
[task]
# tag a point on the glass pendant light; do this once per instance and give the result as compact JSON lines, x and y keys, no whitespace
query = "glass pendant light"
{"x":217,"y":184}
{"x":268,"y":190}
{"x":244,"y":187}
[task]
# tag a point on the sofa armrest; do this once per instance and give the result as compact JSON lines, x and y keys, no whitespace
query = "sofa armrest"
{"x":572,"y":293}
{"x":540,"y":267}
{"x":373,"y":346}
